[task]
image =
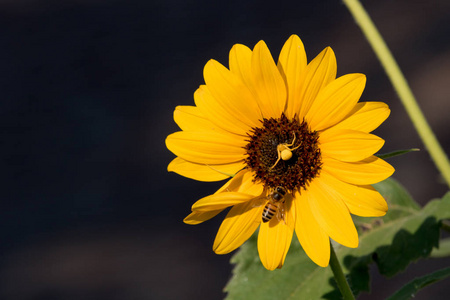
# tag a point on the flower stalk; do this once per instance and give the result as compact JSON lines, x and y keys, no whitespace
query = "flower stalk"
{"x":401,"y":86}
{"x":339,"y":276}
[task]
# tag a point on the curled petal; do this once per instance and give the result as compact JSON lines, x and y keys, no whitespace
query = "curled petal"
{"x":203,"y":172}
{"x":197,"y":217}
{"x":243,"y":183}
{"x":221,"y":201}
{"x":238,"y":226}
{"x":239,"y":189}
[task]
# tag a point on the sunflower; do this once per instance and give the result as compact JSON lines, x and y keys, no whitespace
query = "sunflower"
{"x":295,"y":145}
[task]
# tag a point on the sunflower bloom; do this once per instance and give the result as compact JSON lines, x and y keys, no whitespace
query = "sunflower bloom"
{"x":295,"y":145}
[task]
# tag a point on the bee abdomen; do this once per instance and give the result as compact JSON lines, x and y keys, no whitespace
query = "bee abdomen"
{"x":268,"y":213}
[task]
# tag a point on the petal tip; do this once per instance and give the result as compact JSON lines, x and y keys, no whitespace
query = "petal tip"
{"x":219,"y":249}
{"x":261,"y":43}
{"x":353,"y":243}
{"x":294,"y":39}
{"x":324,"y":263}
{"x":328,"y":51}
{"x":188,"y":221}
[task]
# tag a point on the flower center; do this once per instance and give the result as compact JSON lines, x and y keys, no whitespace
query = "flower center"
{"x":283,"y":153}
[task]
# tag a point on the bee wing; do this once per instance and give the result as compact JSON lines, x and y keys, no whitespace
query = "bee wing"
{"x":281,"y":213}
{"x":257,"y":202}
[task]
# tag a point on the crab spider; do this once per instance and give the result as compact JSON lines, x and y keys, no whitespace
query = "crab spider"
{"x":284,"y":151}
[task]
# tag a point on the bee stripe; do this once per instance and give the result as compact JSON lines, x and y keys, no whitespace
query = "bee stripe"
{"x":270,"y":209}
{"x":268,"y":213}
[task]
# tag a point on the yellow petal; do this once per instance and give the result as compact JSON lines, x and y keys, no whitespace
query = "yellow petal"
{"x":205,"y":147}
{"x":238,"y":189}
{"x":216,"y":114}
{"x":241,"y":63}
{"x":367,"y":171}
{"x":361,"y":200}
{"x":189,"y":118}
{"x":232,"y":95}
{"x":197,"y":217}
{"x":319,"y":72}
{"x":335,"y":101}
{"x":291,"y":64}
{"x":331,"y":212}
{"x":349,"y":145}
{"x":275,"y":237}
{"x":221,"y":201}
{"x":267,"y":82}
{"x":243,"y":182}
{"x":238,"y":226}
{"x":311,"y":236}
{"x":365,"y":116}
{"x":203,"y":172}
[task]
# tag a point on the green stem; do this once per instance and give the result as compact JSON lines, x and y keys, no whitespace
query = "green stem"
{"x":445,"y":225}
{"x":401,"y":86}
{"x":339,"y":276}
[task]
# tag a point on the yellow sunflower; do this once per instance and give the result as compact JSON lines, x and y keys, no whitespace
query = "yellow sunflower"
{"x":294,"y":142}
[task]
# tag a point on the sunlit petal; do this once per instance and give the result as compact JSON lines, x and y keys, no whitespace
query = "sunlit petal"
{"x":206,"y":147}
{"x":349,"y":145}
{"x":365,"y":116}
{"x":231,"y":95}
{"x":367,"y":171}
{"x":310,"y":234}
{"x":291,"y":64}
{"x":267,"y":82}
{"x":331,"y":213}
{"x":335,"y":101}
{"x":319,"y":73}
{"x":361,"y":200}
{"x":218,"y":117}
{"x":241,"y":63}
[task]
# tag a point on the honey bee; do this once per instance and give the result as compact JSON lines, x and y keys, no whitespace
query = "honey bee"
{"x":275,"y":205}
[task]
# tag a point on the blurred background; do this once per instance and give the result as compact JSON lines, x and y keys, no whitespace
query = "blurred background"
{"x":88,"y":89}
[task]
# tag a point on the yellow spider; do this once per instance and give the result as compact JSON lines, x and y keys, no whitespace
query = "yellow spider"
{"x":284,"y":152}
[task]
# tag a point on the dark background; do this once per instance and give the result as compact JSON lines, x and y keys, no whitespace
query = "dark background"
{"x":87,"y":94}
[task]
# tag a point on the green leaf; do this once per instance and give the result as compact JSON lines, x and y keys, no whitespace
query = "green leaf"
{"x":405,"y":234}
{"x":397,"y":153}
{"x":400,"y":201}
{"x":400,"y":204}
{"x":409,"y":290}
{"x":443,"y":250}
